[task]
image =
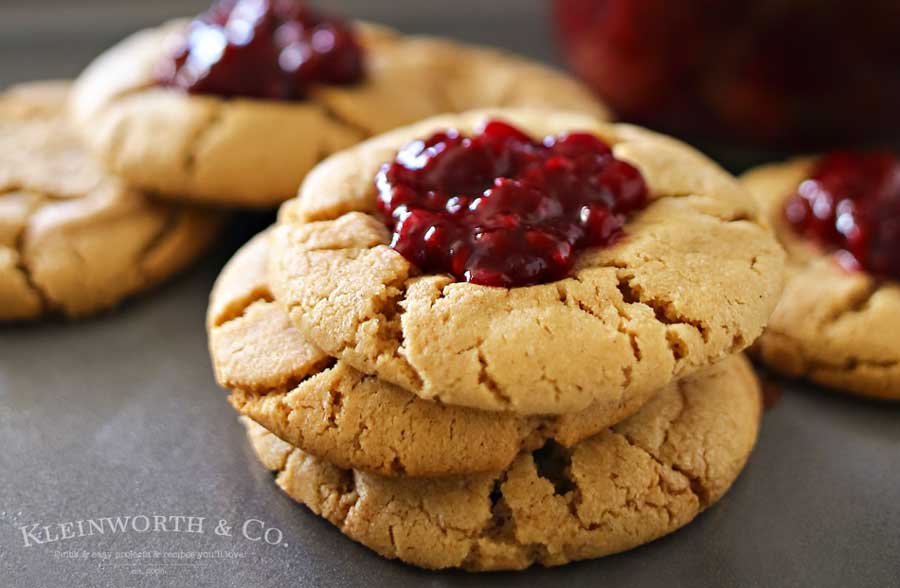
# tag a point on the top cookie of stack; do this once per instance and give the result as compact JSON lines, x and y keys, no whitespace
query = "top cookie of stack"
{"x":236,"y":106}
{"x":690,"y":278}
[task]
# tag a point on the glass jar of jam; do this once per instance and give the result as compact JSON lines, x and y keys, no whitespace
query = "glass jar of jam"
{"x":777,"y":74}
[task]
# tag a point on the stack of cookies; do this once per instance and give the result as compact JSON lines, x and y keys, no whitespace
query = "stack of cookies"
{"x":502,"y":338}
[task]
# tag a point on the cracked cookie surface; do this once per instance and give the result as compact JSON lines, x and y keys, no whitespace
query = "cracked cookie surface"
{"x":256,"y":152}
{"x":628,"y":485}
{"x":831,"y":326}
{"x":72,"y":240}
{"x":693,"y":281}
{"x":352,"y":420}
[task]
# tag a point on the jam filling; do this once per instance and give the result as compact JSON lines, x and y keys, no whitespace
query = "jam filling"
{"x":851,"y":203}
{"x":501,"y":209}
{"x":270,"y":49}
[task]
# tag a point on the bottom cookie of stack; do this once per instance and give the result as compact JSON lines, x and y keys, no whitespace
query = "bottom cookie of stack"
{"x":630,"y":484}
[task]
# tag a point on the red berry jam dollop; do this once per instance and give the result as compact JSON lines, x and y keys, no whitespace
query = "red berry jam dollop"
{"x":501,"y":209}
{"x":271,"y":49}
{"x":851,"y":203}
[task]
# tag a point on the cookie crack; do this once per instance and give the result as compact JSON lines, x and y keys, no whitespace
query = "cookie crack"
{"x":621,"y":326}
{"x":853,"y":363}
{"x":113,"y":148}
{"x":25,"y":271}
{"x":663,"y":310}
{"x":630,"y":505}
{"x":171,"y":223}
{"x":396,"y":466}
{"x":849,"y":364}
{"x":392,"y":538}
{"x":677,"y":346}
{"x":695,"y":483}
{"x":288,"y":384}
{"x":754,"y":266}
{"x":501,"y":526}
{"x":347,"y":497}
{"x":439,"y":523}
{"x":487,"y":380}
{"x":124,"y":93}
{"x":113,"y":154}
{"x":857,"y":303}
{"x":42,"y":193}
{"x":682,"y":409}
{"x":698,"y":486}
{"x":240,"y":399}
{"x":732,"y":216}
{"x":388,"y":313}
{"x":334,"y":116}
{"x":335,"y":407}
{"x":201,"y":136}
{"x":233,"y":313}
{"x":553,"y":462}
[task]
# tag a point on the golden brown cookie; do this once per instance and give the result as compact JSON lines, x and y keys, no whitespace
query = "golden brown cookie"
{"x":631,"y":484}
{"x":693,"y":281}
{"x":256,"y":152}
{"x":834,"y":327}
{"x":352,"y":420}
{"x":72,"y":240}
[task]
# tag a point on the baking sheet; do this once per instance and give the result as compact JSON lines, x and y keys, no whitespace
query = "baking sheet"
{"x":120,"y":417}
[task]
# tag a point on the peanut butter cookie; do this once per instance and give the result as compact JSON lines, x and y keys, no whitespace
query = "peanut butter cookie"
{"x":686,"y":279}
{"x":633,"y":483}
{"x":244,"y":126}
{"x":838,"y":319}
{"x":74,"y":241}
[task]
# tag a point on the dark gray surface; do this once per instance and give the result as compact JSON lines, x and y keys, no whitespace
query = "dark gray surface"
{"x":119,"y":416}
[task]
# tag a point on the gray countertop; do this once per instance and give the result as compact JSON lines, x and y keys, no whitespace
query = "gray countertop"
{"x":119,"y":417}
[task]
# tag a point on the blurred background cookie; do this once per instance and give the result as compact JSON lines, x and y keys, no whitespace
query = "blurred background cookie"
{"x":236,"y":106}
{"x":74,"y":241}
{"x":838,"y":217}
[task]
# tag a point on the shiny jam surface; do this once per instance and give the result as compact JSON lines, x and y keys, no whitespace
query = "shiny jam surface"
{"x":272,"y":49}
{"x":501,"y":209}
{"x":851,"y":203}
